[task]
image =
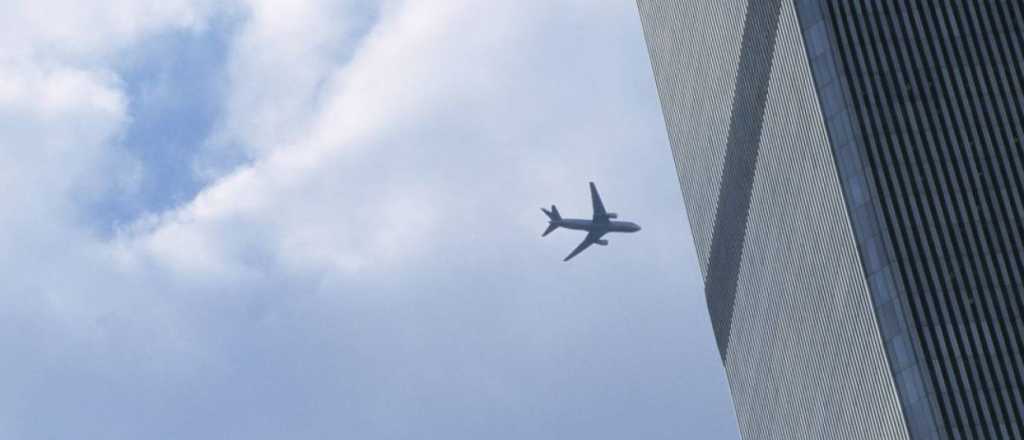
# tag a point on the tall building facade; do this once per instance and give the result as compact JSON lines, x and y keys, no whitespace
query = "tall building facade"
{"x":853,"y":172}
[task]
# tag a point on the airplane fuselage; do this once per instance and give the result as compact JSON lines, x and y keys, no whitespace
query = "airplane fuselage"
{"x":596,"y":227}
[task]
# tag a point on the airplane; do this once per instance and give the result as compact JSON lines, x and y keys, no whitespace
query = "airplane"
{"x":596,"y":228}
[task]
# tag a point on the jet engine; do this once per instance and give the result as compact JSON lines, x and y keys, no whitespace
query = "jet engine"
{"x":612,"y":215}
{"x":601,"y":242}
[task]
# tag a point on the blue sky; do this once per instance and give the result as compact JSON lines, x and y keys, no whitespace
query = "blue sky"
{"x":313,"y":219}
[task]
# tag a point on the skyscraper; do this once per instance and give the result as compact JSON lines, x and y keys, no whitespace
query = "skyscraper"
{"x":853,"y":172}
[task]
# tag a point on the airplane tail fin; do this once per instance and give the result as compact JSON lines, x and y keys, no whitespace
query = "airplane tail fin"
{"x":553,"y":213}
{"x":553,"y":216}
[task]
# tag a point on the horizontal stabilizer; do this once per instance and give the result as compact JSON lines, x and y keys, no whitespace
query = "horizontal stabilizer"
{"x":554,"y":216}
{"x":551,"y":227}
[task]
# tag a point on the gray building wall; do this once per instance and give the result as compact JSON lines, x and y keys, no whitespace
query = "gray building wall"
{"x":862,"y":201}
{"x":786,"y":288}
{"x":928,"y":126}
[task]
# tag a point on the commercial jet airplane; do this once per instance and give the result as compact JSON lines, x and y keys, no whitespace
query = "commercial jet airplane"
{"x":596,"y":228}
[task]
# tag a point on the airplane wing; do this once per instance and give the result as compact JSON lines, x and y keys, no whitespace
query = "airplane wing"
{"x":589,"y":240}
{"x":600,"y":215}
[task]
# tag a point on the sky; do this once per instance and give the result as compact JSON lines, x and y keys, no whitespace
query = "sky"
{"x":319,"y":219}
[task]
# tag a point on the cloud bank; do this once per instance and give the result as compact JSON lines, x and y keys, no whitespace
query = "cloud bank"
{"x":365,"y":263}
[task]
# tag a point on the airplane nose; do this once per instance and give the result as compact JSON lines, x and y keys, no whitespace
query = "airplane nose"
{"x":636,"y":227}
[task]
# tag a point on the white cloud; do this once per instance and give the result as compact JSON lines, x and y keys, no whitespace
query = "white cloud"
{"x":363,"y":162}
{"x":395,"y":170}
{"x":57,"y":31}
{"x":341,"y":150}
{"x":63,"y":109}
{"x":315,"y":202}
{"x":277,"y":66}
{"x":61,"y":101}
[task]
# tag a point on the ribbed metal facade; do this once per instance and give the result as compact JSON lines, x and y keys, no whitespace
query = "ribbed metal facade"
{"x":785,"y":285}
{"x":935,"y":93}
{"x":695,"y":48}
{"x":901,"y":343}
{"x":854,"y":172}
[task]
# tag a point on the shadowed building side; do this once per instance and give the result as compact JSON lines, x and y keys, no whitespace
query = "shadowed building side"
{"x":923,"y":101}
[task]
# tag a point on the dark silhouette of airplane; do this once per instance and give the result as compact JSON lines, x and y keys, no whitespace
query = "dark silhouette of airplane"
{"x":596,"y":228}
